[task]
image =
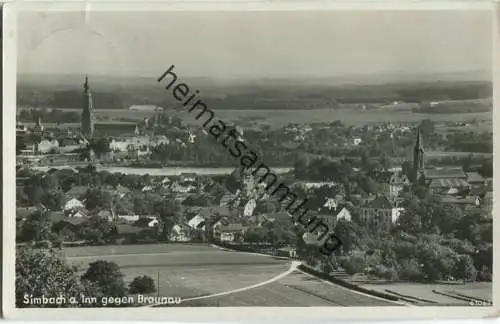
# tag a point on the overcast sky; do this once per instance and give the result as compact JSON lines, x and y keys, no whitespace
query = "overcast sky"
{"x":255,"y":44}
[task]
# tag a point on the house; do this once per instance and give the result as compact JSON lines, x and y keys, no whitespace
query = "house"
{"x":148,"y":108}
{"x":469,"y":200}
{"x":226,"y":199}
{"x":446,"y":184}
{"x":153,"y":223}
{"x":67,"y":145}
{"x":231,"y":232}
{"x":344,"y":213}
{"x":147,"y":189}
{"x":331,"y":220}
{"x":159,"y":140}
{"x":119,"y":146}
{"x":249,"y":208}
{"x":330,"y":204}
{"x":280,"y":216}
{"x":315,"y":184}
{"x":215,"y":227}
{"x":180,"y":233}
{"x":188,"y":177}
{"x":46,"y":146}
{"x":77,"y":191}
{"x":444,"y":173}
{"x":211,"y":212}
{"x":397,"y":184}
{"x":475,"y":179}
{"x":129,"y":218}
{"x":72,"y":203}
{"x":181,"y":188}
{"x":196,"y":221}
{"x":122,"y":191}
{"x":379,"y":212}
{"x":78,"y":212}
{"x":105,"y":214}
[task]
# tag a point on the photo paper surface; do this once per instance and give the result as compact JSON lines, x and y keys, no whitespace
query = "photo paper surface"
{"x":243,"y":162}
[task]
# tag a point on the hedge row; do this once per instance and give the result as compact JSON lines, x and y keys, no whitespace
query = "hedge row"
{"x":346,"y":284}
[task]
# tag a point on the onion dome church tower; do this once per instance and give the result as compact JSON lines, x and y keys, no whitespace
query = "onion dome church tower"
{"x":87,"y":122}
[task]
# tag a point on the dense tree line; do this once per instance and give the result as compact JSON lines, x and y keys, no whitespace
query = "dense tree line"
{"x":48,"y":116}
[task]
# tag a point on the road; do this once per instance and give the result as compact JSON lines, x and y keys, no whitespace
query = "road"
{"x":206,"y":276}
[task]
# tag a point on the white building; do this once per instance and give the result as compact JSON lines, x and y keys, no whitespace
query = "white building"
{"x":356,"y":141}
{"x":330,"y":204}
{"x":195,"y":221}
{"x":249,"y":208}
{"x":73,"y":203}
{"x":45,"y":146}
{"x":145,"y":108}
{"x":129,"y":218}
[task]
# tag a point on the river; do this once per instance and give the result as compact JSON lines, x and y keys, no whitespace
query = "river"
{"x":167,"y":171}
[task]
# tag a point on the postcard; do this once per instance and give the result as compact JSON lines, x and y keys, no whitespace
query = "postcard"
{"x":253,"y":161}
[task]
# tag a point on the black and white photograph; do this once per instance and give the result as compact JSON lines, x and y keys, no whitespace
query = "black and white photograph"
{"x":251,"y":158}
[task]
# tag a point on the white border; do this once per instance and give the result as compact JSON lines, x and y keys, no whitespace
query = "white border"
{"x":208,"y":314}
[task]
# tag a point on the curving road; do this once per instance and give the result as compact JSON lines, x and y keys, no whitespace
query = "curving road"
{"x":205,"y":276}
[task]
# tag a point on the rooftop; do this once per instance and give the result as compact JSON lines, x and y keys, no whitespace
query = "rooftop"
{"x":474,"y":177}
{"x":444,"y":173}
{"x":448,"y":183}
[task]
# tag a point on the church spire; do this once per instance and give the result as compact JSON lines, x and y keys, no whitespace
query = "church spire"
{"x":418,"y":151}
{"x":87,"y":122}
{"x":86,"y":84}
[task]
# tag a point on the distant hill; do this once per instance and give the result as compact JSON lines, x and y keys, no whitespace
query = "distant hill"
{"x":64,"y":91}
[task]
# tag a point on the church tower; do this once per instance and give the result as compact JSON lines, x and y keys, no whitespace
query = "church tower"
{"x":418,"y":152}
{"x":88,"y":111}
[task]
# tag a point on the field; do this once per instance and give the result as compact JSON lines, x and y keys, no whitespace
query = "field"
{"x":481,"y":290}
{"x":278,"y":118}
{"x":208,"y":276}
{"x":190,"y":271}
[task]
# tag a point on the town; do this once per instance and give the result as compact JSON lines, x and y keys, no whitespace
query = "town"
{"x":409,"y":201}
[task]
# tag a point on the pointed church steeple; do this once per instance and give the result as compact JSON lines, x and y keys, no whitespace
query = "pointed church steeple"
{"x":86,"y":84}
{"x":418,"y":152}
{"x":87,"y":122}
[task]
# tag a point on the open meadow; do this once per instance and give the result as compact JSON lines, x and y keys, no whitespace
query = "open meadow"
{"x":191,"y":271}
{"x":204,"y":275}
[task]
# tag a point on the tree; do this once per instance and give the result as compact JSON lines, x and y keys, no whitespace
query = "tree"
{"x":97,"y":230}
{"x":256,"y":235}
{"x":326,"y":267}
{"x":37,"y":228}
{"x":169,"y":213}
{"x":53,"y":199}
{"x":410,"y":270}
{"x":142,"y":285}
{"x":107,"y":276}
{"x":96,"y":198}
{"x":198,"y":200}
{"x":353,"y":265}
{"x":464,"y":268}
{"x":43,"y":273}
{"x":100,"y":146}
